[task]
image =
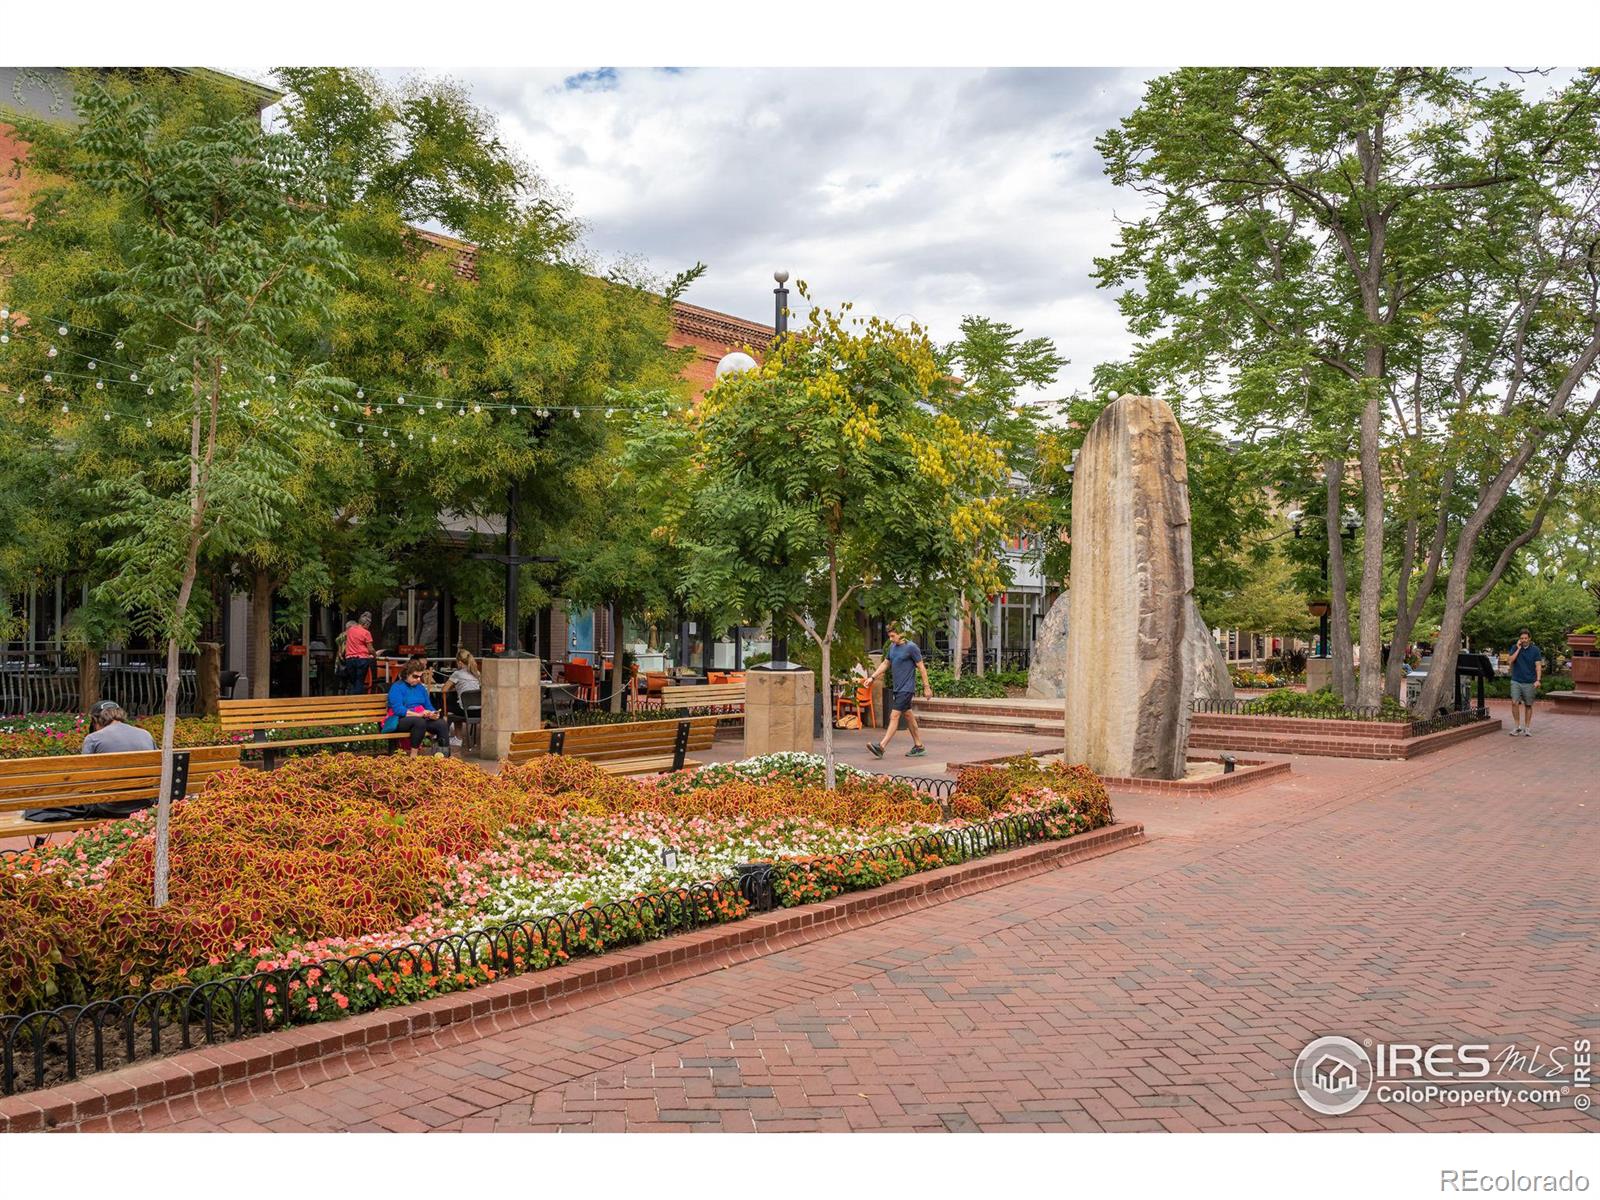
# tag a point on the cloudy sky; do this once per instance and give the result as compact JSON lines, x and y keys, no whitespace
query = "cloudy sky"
{"x":915,"y":193}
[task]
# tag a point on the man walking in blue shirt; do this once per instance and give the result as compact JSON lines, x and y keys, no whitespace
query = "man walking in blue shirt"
{"x":1527,"y":672}
{"x":903,"y":659}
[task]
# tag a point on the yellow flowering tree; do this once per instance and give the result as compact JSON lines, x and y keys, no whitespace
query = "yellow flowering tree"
{"x":831,"y":476}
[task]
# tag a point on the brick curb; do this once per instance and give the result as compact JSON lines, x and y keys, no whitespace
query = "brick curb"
{"x":104,"y":1097}
{"x":1212,"y":731}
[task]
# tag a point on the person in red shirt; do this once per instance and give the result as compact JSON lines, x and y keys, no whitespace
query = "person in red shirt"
{"x":359,"y":658}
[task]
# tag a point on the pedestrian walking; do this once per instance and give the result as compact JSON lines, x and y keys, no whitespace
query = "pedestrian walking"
{"x":1527,"y":673}
{"x":903,"y":660}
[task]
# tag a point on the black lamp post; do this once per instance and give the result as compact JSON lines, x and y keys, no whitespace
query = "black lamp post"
{"x":780,"y":324}
{"x":512,"y":561}
{"x":1320,"y":608}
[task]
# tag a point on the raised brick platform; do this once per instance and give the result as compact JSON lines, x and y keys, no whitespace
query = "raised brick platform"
{"x":1580,"y":703}
{"x":1247,"y":772}
{"x":1316,"y":736}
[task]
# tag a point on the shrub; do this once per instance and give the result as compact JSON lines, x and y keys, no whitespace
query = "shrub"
{"x":1322,"y":704}
{"x":983,"y":791}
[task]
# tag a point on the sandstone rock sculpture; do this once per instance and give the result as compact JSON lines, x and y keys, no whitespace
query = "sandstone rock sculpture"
{"x":1047,"y":666}
{"x":1047,"y":679}
{"x":1130,"y":670}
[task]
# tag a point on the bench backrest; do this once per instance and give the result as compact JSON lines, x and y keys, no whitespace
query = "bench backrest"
{"x":293,"y":712}
{"x":60,"y":780}
{"x":702,"y":695}
{"x":607,"y":743}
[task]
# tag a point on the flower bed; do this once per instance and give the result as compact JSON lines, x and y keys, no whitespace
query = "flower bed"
{"x":1245,"y":677}
{"x":1322,"y":705}
{"x":319,"y":889}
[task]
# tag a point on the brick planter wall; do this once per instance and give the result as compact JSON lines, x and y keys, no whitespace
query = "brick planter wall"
{"x":1318,"y":736}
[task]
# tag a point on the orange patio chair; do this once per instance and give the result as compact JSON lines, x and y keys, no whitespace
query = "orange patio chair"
{"x":860,"y":704}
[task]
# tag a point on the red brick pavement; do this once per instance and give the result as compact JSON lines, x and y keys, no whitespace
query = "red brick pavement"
{"x":1168,"y":987}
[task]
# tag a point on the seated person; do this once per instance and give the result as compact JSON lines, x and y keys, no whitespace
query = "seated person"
{"x":462,"y":692}
{"x":411,"y":709}
{"x":111,"y":735}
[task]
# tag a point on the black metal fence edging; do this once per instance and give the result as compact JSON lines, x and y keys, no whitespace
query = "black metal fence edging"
{"x":229,"y":1009}
{"x":1416,"y":726}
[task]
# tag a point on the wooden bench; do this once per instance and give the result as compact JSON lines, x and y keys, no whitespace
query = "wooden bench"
{"x":293,"y":712}
{"x":73,"y":780}
{"x":623,"y":748}
{"x":703,"y":695}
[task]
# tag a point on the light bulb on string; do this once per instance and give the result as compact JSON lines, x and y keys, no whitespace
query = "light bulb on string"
{"x":119,"y":343}
{"x":461,"y":412}
{"x":400,"y":400}
{"x":51,"y":353}
{"x":360,"y":395}
{"x":149,"y":391}
{"x":64,"y":408}
{"x":574,"y":413}
{"x":49,"y":378}
{"x":437,"y":404}
{"x":62,"y":330}
{"x":133,"y":377}
{"x":5,"y":314}
{"x":91,"y":364}
{"x":513,"y":410}
{"x":272,"y":379}
{"x":20,"y":397}
{"x":105,"y":416}
{"x":148,"y":423}
{"x":99,"y":385}
{"x":4,"y":338}
{"x":380,"y":410}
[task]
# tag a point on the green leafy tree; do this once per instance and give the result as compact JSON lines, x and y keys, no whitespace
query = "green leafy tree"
{"x":221,"y":247}
{"x":992,"y":366}
{"x":832,"y":475}
{"x":515,"y":339}
{"x":1389,"y":271}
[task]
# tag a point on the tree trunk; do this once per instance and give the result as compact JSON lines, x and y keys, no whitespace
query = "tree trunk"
{"x":1369,"y":679}
{"x":260,"y":657}
{"x":825,"y":645}
{"x":958,"y":629}
{"x":1343,"y":681}
{"x":978,"y":649}
{"x":619,"y":679}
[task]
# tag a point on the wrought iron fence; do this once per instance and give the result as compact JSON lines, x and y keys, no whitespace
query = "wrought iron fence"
{"x":55,"y":1045}
{"x":1263,"y":707}
{"x":48,"y":681}
{"x":1005,"y":660}
{"x":928,"y":785}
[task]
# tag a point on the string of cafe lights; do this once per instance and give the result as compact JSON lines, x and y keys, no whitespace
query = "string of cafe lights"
{"x":370,"y":401}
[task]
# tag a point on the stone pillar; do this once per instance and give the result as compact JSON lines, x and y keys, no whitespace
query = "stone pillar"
{"x":511,"y":697}
{"x":778,"y":712}
{"x":1319,"y":674}
{"x":880,"y":693}
{"x":1129,"y":673}
{"x":208,"y":679}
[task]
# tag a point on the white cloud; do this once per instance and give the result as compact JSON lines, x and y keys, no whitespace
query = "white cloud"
{"x":927,"y":194}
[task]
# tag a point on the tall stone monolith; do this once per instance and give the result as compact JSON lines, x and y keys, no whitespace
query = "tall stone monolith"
{"x":1130,"y":670}
{"x":1047,"y":668}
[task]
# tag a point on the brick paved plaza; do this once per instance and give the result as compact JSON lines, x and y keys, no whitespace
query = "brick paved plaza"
{"x":1164,"y":987}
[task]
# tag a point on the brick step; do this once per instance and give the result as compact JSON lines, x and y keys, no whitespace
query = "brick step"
{"x":1039,"y":709}
{"x":979,"y":723}
{"x":1354,"y":745}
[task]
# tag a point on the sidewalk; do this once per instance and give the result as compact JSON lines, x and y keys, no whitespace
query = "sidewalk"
{"x":1170,"y":986}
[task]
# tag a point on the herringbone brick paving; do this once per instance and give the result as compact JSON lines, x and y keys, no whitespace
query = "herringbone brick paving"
{"x":1167,"y":987}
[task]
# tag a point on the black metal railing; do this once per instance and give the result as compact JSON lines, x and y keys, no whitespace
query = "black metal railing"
{"x":48,"y":681}
{"x":1417,"y":726}
{"x":1005,"y":660}
{"x":928,"y":785}
{"x":60,"y":1044}
{"x":1264,"y":707}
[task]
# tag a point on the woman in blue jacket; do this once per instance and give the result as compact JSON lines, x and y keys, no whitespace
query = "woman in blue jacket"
{"x":411,"y":709}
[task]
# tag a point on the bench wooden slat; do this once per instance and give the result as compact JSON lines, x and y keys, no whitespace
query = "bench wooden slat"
{"x":301,"y":711}
{"x":625,"y":748}
{"x":13,"y":825}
